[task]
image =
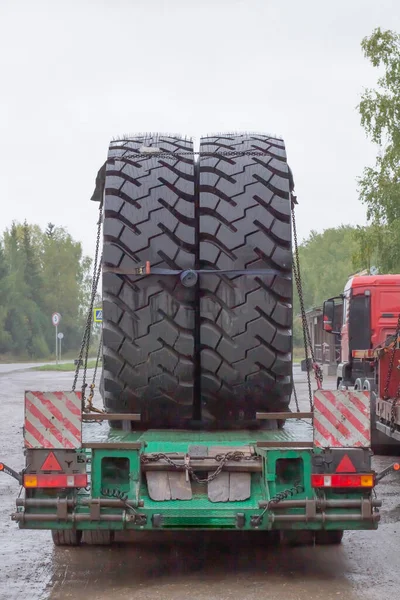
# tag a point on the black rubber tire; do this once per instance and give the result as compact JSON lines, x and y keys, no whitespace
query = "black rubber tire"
{"x":297,"y":538}
{"x":245,"y":321}
{"x":101,"y":537}
{"x":148,"y":322}
{"x":66,"y":537}
{"x":328,"y":538}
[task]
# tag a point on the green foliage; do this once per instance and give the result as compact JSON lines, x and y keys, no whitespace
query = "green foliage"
{"x":326,"y":261}
{"x":379,"y":186}
{"x":41,"y":273}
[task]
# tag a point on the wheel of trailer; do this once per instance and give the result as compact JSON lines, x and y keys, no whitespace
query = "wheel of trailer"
{"x":101,"y":537}
{"x":245,"y":319}
{"x":328,"y":538}
{"x":66,"y":537}
{"x":297,"y":538}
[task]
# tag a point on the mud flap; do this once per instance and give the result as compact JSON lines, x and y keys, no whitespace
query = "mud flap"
{"x":164,"y":485}
{"x":230,"y":487}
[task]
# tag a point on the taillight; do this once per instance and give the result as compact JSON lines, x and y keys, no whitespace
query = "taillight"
{"x":55,"y":481}
{"x":343,"y":481}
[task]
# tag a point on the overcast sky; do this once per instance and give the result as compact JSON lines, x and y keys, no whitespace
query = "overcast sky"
{"x":76,"y":73}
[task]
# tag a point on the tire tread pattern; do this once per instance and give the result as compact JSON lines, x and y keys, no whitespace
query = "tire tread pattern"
{"x":245,"y":223}
{"x":148,"y":321}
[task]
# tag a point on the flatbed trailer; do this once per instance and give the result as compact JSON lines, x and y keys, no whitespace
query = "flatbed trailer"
{"x":309,"y":481}
{"x":305,"y":476}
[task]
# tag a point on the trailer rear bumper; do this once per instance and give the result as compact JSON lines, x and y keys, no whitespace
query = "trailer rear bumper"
{"x":116,"y":515}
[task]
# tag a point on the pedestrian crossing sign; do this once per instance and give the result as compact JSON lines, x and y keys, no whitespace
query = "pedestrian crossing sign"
{"x":98,"y":315}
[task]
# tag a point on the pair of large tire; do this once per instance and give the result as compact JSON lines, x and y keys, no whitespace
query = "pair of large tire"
{"x":219,"y":351}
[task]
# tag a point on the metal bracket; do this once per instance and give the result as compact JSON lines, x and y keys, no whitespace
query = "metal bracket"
{"x":366,"y":509}
{"x":62,"y":509}
{"x":311,"y":509}
{"x":240,"y":520}
{"x":9,"y":471}
{"x":157,"y":520}
{"x":394,"y":467}
{"x":137,"y":519}
{"x":95,"y":509}
{"x":197,"y":451}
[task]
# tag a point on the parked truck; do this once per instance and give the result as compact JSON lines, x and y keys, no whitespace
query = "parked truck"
{"x":197,"y":365}
{"x":370,"y":355}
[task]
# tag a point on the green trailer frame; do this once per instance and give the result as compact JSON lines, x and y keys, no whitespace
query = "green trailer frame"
{"x":281,"y":495}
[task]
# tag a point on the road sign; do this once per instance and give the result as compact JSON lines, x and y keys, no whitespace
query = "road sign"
{"x":98,"y":315}
{"x":60,"y":336}
{"x":55,"y":319}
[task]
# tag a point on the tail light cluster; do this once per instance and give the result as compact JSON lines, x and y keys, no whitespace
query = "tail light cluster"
{"x":359,"y":480}
{"x":55,"y":481}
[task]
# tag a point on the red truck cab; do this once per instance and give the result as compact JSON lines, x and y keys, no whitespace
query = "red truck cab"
{"x":371,"y":305}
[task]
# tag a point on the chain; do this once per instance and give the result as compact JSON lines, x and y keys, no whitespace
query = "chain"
{"x":89,"y":407}
{"x":306,"y":332}
{"x":393,"y":409}
{"x":296,"y":400}
{"x":118,"y":495}
{"x":297,"y":488}
{"x":84,"y":349}
{"x":389,"y":376}
{"x":222,"y":459}
{"x":145,"y":155}
{"x":391,"y":361}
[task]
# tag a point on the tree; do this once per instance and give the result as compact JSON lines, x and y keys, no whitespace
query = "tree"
{"x":5,"y":336}
{"x":65,"y":283}
{"x":379,"y":187}
{"x":327,"y":259}
{"x":50,"y":229}
{"x":41,"y":272}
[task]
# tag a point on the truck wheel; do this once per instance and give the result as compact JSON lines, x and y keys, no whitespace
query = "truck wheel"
{"x":101,"y":537}
{"x":297,"y":538}
{"x":148,"y":321}
{"x":245,"y":320}
{"x":328,"y":538}
{"x":66,"y":537}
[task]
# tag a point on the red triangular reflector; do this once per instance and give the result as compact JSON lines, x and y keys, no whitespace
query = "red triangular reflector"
{"x":345,"y":466}
{"x":51,"y":463}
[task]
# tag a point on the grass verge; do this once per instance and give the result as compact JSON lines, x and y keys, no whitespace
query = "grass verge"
{"x":63,"y":367}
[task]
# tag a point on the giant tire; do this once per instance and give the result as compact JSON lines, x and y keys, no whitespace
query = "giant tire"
{"x":245,"y":320}
{"x":148,"y":321}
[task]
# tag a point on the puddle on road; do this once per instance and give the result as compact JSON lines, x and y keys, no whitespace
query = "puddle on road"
{"x":200,"y":566}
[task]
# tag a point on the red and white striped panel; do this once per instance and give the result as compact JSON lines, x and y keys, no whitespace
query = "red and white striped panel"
{"x":342,"y":419}
{"x":53,"y":420}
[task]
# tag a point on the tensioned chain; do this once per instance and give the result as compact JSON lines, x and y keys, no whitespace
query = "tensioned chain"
{"x":90,"y":407}
{"x":391,"y":361}
{"x":393,"y":410}
{"x":149,"y":154}
{"x":84,"y":349}
{"x":306,"y":332}
{"x":389,"y":376}
{"x":222,"y":459}
{"x":296,"y":400}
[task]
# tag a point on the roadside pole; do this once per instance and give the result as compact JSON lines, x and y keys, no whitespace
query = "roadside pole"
{"x":55,"y":319}
{"x":60,"y":337}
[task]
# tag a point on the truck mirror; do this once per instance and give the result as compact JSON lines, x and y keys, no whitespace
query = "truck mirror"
{"x":328,"y":315}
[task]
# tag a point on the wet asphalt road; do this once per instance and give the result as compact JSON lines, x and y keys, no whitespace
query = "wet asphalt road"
{"x":199,"y":566}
